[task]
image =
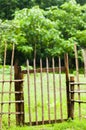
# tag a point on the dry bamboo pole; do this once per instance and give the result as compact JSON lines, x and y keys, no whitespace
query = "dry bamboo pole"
{"x":28,"y":82}
{"x":11,"y":92}
{"x":60,"y":89}
{"x":2,"y":95}
{"x":67,"y":83}
{"x":72,"y":97}
{"x":10,"y":87}
{"x":54,"y":88}
{"x":48,"y":90}
{"x":77,"y":76}
{"x":42,"y":95}
{"x":35,"y":92}
{"x":20,"y":80}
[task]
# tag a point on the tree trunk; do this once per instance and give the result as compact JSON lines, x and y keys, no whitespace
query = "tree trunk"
{"x":84,"y":58}
{"x":35,"y":51}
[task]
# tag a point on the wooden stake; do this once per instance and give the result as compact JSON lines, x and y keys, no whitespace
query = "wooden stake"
{"x":2,"y":95}
{"x":35,"y":92}
{"x":67,"y":83}
{"x":28,"y":82}
{"x":42,"y":94}
{"x":77,"y":76}
{"x":48,"y":90}
{"x":72,"y":98}
{"x":9,"y":107}
{"x":60,"y":89}
{"x":19,"y":97}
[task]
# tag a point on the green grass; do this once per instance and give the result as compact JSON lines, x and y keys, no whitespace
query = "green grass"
{"x":69,"y":125}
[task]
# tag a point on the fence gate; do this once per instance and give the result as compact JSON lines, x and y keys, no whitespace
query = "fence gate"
{"x":45,"y":98}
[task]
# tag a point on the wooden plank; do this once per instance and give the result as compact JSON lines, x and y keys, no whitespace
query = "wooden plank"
{"x":60,"y":89}
{"x":78,"y":101}
{"x":77,"y":76}
{"x":3,"y":81}
{"x":44,"y":70}
{"x":78,"y":83}
{"x":42,"y":95}
{"x":29,"y":103}
{"x":7,"y":102}
{"x":10,"y":87}
{"x":81,"y":91}
{"x":48,"y":90}
{"x":54,"y":89}
{"x":3,"y":85}
{"x":35,"y":92}
{"x":11,"y":113}
{"x":46,"y":122}
{"x":12,"y":92}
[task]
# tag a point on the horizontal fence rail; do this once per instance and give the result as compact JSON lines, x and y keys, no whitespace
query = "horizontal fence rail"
{"x":78,"y":83}
{"x":56,"y":69}
{"x":46,"y":122}
{"x":1,"y":81}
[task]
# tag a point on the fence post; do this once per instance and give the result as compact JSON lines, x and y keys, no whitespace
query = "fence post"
{"x":19,"y":96}
{"x":72,"y":97}
{"x":67,"y":83}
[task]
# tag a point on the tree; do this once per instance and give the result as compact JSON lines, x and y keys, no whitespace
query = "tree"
{"x":68,"y":21}
{"x":8,"y":7}
{"x":46,"y":32}
{"x":38,"y":29}
{"x":82,"y":2}
{"x":10,"y":33}
{"x":81,"y":36}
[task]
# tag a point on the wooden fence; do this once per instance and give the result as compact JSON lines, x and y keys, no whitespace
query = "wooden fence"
{"x":77,"y":93}
{"x":11,"y":91}
{"x":44,"y":72}
{"x":40,"y":95}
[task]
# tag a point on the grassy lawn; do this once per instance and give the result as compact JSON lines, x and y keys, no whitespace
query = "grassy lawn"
{"x":69,"y":125}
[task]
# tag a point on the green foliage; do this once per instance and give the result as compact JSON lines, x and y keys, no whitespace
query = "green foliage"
{"x":40,"y":31}
{"x":82,"y":2}
{"x":45,"y":32}
{"x":81,"y":36}
{"x":8,"y":8}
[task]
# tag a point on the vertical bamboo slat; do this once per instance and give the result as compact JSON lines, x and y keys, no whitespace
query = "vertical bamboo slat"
{"x":28,"y":82}
{"x":48,"y":91}
{"x":35,"y":92}
{"x":42,"y":100}
{"x":60,"y":89}
{"x":9,"y":108}
{"x":67,"y":83}
{"x":77,"y":76}
{"x":72,"y":97}
{"x":54,"y":88}
{"x":3,"y":85}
